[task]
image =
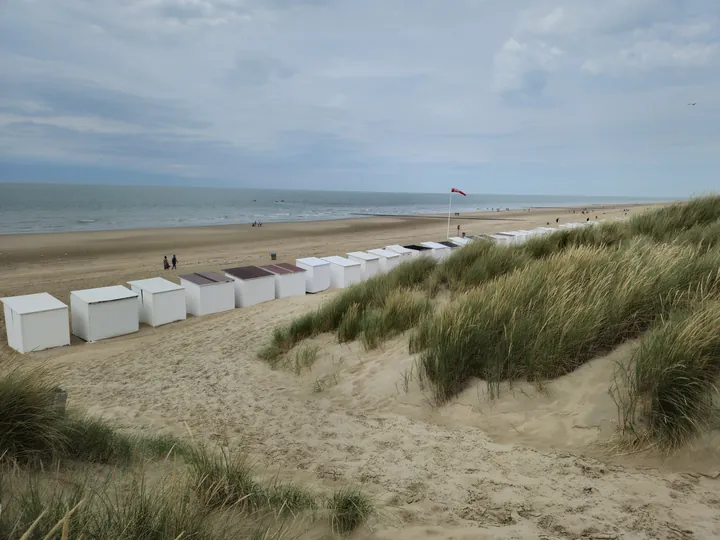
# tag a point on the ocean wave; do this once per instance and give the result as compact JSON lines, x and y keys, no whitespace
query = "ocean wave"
{"x":86,"y":220}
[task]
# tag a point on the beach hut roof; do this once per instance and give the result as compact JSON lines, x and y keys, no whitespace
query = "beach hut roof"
{"x":155,"y":285}
{"x":293,"y":269}
{"x":384,"y":253}
{"x":364,"y":256}
{"x":434,"y":245}
{"x":417,"y":247}
{"x":33,"y":303}
{"x":313,"y":261}
{"x":448,"y":244}
{"x":341,"y":261}
{"x":248,"y":272}
{"x":105,"y":294}
{"x":275,"y":269}
{"x":205,"y":278}
{"x":399,"y":249}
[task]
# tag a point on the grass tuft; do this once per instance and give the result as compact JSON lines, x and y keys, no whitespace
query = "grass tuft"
{"x":30,"y":426}
{"x":671,"y":387}
{"x":349,"y":508}
{"x":222,"y":480}
{"x":94,"y":441}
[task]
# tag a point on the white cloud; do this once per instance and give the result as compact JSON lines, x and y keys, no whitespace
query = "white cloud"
{"x":218,"y":85}
{"x":652,"y":55}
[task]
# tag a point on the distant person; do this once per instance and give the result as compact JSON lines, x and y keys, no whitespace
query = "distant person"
{"x":254,"y":224}
{"x":174,"y":262}
{"x":166,"y":264}
{"x":458,"y":230}
{"x":588,"y":219}
{"x":557,"y":220}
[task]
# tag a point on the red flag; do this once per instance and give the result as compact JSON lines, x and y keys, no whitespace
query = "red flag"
{"x":455,"y":190}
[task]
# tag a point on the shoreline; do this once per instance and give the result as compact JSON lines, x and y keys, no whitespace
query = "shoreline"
{"x":484,"y":215}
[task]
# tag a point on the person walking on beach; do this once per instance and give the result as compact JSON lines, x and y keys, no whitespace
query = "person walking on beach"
{"x":166,"y":264}
{"x":174,"y":262}
{"x":458,"y":230}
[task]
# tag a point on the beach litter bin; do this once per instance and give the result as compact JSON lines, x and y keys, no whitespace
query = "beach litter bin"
{"x":273,"y":256}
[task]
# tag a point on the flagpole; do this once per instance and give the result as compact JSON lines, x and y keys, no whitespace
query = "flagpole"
{"x":449,"y":209}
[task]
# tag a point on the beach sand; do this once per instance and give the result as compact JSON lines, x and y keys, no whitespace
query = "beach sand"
{"x":528,"y":465}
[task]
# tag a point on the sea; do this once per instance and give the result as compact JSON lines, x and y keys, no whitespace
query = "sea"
{"x":41,"y":208}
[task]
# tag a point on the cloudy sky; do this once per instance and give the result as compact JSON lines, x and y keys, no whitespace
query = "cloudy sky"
{"x":495,"y":96}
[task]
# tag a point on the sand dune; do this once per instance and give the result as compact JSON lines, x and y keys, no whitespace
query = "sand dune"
{"x":526,"y":465}
{"x":453,"y":472}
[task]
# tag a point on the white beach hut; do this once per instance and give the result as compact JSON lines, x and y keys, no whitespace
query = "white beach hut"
{"x":289,"y":279}
{"x":439,"y":251}
{"x":369,"y":263}
{"x":344,"y":272}
{"x":253,"y":285}
{"x":104,"y":312}
{"x":388,"y":259}
{"x":516,"y":237}
{"x":34,"y":322}
{"x":317,"y":273}
{"x":450,"y":245}
{"x":208,"y":292}
{"x":503,"y":239}
{"x":460,"y":241}
{"x":405,"y":253}
{"x":161,"y":301}
{"x":419,"y":251}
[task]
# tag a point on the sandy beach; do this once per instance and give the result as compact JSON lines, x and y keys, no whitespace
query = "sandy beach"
{"x":525,"y":466}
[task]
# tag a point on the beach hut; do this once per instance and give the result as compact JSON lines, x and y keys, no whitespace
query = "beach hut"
{"x":317,"y":273}
{"x":459,"y":241}
{"x":438,"y":250}
{"x":388,"y":259}
{"x":253,"y":285}
{"x":161,"y":301}
{"x":405,"y":253}
{"x":516,"y":237}
{"x":503,"y":239}
{"x":369,"y":263}
{"x":208,"y":292}
{"x":419,"y":250}
{"x":289,"y":279}
{"x":449,"y":244}
{"x":344,"y":272}
{"x":104,"y":312}
{"x":34,"y":322}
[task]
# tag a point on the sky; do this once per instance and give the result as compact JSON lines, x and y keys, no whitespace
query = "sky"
{"x":491,"y":96}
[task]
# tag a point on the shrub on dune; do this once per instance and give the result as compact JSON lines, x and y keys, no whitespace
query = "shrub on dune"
{"x":30,"y":426}
{"x":671,"y":382}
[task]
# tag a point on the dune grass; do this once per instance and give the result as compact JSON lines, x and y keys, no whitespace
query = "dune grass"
{"x":48,"y":492}
{"x":30,"y":426}
{"x":372,"y":293}
{"x":349,"y":509}
{"x":547,"y":318}
{"x":41,"y":507}
{"x":33,"y":430}
{"x":670,"y":388}
{"x":696,"y":223}
{"x":663,"y":224}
